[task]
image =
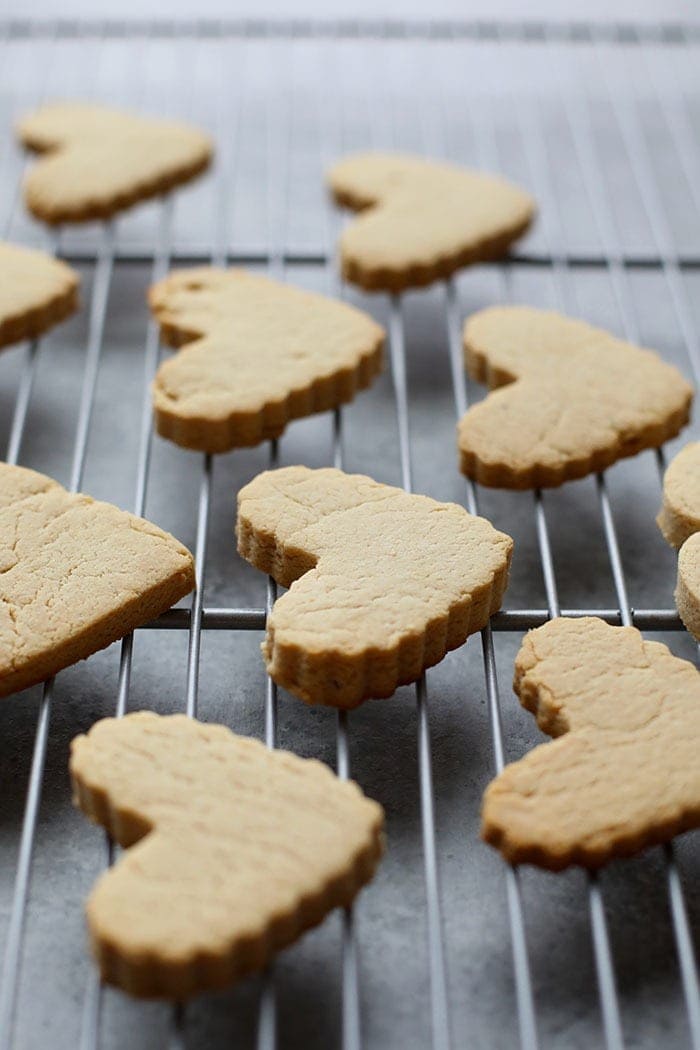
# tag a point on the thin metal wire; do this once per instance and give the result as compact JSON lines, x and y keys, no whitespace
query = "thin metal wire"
{"x":130,"y":254}
{"x":676,"y":119}
{"x":609,"y":1001}
{"x":231,"y":619}
{"x":271,"y":686}
{"x":642,"y":169}
{"x":604,"y":221}
{"x":638,"y":154}
{"x":438,"y":978}
{"x":13,"y":945}
{"x":93,"y":996}
{"x":329,"y":108}
{"x":216,"y":257}
{"x":24,"y":393}
{"x":278,"y":140}
{"x":527,"y":1024}
{"x":528,"y":31}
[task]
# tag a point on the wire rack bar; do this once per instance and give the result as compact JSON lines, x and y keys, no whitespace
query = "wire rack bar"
{"x":13,"y":946}
{"x":326,"y":116}
{"x":522,"y":31}
{"x":610,"y":1009}
{"x":438,"y":980}
{"x":605,"y":222}
{"x":672,"y":275}
{"x":221,"y":619}
{"x":90,"y":1033}
{"x":638,"y":153}
{"x":189,"y":255}
{"x":643,"y":173}
{"x":527,"y":1024}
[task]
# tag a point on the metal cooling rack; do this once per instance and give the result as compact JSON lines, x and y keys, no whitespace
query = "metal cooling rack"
{"x":456,"y":948}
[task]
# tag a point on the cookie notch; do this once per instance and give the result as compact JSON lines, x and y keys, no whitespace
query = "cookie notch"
{"x":37,"y":292}
{"x":264,"y":844}
{"x":95,"y":161}
{"x":256,"y":354}
{"x":572,"y":401}
{"x":421,"y":220}
{"x":382,"y":584}
{"x":75,"y":576}
{"x":679,"y":521}
{"x":622,"y":774}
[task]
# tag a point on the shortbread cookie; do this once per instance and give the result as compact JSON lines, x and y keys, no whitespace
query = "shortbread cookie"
{"x":382,"y":583}
{"x":75,"y":575}
{"x":233,"y":850}
{"x":624,"y":774}
{"x":422,"y":220}
{"x":575,"y":399}
{"x":258,"y":354}
{"x":679,"y":517}
{"x":98,"y":161}
{"x":679,"y":520}
{"x":36,"y":292}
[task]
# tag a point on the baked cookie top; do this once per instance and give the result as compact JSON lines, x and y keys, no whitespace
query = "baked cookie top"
{"x":679,"y":516}
{"x":575,"y":399}
{"x":679,"y":521}
{"x":232,"y":850}
{"x":624,"y":774}
{"x":36,"y":292}
{"x":258,"y":354}
{"x":75,"y":575}
{"x":422,"y":220}
{"x":96,"y":161}
{"x":382,"y":583}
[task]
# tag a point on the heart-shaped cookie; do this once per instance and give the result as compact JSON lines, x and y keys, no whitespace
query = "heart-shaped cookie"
{"x":679,"y":520}
{"x":575,"y":399}
{"x":233,"y":851}
{"x":624,"y":774}
{"x":422,"y":220}
{"x":382,"y":583}
{"x":258,"y":354}
{"x":36,"y":292}
{"x":75,"y":575}
{"x":98,"y":161}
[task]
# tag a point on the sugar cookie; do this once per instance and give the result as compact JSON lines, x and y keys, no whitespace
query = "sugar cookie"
{"x":75,"y":575}
{"x":624,"y":774}
{"x":679,"y":520}
{"x":96,"y":161}
{"x":232,"y":851}
{"x":256,"y":355}
{"x":422,"y":220}
{"x":36,"y":292}
{"x":382,"y":583}
{"x":574,"y":399}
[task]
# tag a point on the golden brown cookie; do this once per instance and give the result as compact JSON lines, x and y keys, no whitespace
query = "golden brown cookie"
{"x":36,"y":292}
{"x":382,"y":583}
{"x":97,"y":161}
{"x":624,"y":774}
{"x":421,"y":220}
{"x":75,"y":575}
{"x":575,"y":399}
{"x":233,"y":851}
{"x":257,"y":355}
{"x":679,"y":520}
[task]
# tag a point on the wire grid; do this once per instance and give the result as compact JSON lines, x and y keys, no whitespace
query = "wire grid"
{"x":433,"y":133}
